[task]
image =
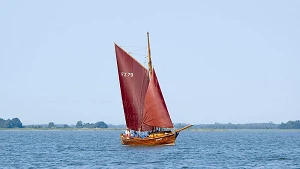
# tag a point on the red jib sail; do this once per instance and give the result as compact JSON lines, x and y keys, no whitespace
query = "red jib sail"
{"x":155,"y":109}
{"x":134,"y":80}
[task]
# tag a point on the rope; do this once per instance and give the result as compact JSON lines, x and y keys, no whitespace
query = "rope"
{"x":133,"y":46}
{"x":137,"y":52}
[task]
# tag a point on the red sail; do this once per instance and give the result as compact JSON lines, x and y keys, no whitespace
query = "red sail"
{"x":134,"y":80}
{"x":155,"y":110}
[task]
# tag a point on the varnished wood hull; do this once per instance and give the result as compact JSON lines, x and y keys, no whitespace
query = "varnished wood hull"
{"x":161,"y":139}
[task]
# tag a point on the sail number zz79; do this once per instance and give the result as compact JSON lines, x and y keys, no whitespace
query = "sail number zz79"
{"x":126,"y":74}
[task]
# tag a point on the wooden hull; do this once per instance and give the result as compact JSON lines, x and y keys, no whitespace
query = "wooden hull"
{"x":152,"y":140}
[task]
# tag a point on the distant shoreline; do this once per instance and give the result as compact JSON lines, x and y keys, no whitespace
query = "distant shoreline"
{"x":61,"y":129}
{"x":122,"y":129}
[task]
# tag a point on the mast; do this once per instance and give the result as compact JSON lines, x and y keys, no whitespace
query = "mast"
{"x":149,"y":55}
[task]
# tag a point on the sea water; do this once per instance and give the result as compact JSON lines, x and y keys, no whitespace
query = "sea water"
{"x":193,"y":149}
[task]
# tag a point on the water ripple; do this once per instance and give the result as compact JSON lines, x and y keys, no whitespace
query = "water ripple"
{"x":102,"y":149}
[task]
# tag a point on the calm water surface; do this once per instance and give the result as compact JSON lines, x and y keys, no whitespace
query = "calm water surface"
{"x":102,"y":149}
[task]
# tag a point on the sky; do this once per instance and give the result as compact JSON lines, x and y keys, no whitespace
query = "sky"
{"x":216,"y":61}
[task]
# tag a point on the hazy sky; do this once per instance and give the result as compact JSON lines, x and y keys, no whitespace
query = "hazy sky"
{"x":216,"y":61}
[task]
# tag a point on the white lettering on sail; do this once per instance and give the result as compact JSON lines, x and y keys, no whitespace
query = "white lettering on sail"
{"x":126,"y":74}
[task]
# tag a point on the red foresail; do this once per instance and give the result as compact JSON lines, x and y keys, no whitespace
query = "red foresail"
{"x":134,"y":80}
{"x":155,"y":109}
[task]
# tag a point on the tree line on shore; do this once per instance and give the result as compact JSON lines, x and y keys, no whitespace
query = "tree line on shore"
{"x":270,"y":125}
{"x":16,"y":123}
{"x":79,"y":124}
{"x":10,"y":123}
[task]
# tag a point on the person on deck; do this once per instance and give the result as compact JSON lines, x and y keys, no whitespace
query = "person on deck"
{"x":127,"y":133}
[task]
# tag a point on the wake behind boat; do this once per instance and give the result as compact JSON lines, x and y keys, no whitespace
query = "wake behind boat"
{"x":147,"y":118}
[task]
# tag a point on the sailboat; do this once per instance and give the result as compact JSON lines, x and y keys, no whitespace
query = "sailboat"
{"x":147,"y":118}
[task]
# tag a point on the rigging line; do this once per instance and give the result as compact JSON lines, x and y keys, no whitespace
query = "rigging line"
{"x":137,"y":54}
{"x":139,"y":50}
{"x":145,"y":61}
{"x":133,"y":46}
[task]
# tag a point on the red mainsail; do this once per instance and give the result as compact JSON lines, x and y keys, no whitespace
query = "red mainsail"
{"x":134,"y":81}
{"x":155,"y":109}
